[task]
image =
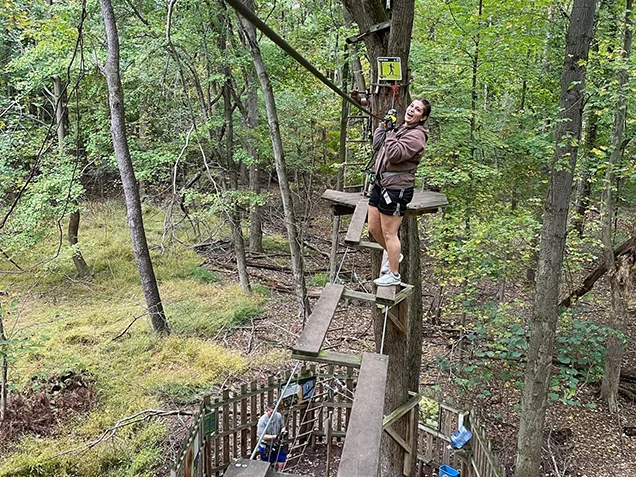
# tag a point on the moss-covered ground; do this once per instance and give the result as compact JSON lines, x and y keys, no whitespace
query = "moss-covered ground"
{"x":59,"y":323}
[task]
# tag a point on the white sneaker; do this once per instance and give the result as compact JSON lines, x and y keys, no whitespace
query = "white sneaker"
{"x":388,"y":279}
{"x":385,"y":263}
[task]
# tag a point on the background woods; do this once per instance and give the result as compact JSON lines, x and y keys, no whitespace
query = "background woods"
{"x":209,"y":146}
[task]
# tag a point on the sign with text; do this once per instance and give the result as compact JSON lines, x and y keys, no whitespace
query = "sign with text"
{"x":389,"y":68}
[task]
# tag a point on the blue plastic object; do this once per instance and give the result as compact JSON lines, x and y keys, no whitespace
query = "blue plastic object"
{"x":460,"y":437}
{"x":446,"y":471}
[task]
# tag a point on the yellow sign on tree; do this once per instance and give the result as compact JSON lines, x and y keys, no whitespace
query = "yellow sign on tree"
{"x":389,"y":68}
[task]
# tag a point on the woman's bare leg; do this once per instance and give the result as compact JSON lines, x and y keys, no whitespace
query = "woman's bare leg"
{"x":390,"y":224}
{"x":375,"y":225}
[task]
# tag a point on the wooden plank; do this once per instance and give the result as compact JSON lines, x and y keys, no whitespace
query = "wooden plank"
{"x":361,"y":451}
{"x":424,"y":202}
{"x":313,"y":335}
{"x":247,"y":468}
{"x":332,"y":357}
{"x":394,"y":294}
{"x":360,"y":296}
{"x":400,"y":411}
{"x":354,"y":232}
{"x":396,"y":321}
{"x":370,"y":245}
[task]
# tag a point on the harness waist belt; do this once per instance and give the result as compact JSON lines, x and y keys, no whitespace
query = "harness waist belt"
{"x":391,"y":174}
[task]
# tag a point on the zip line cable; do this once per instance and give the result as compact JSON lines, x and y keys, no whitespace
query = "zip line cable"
{"x":272,"y":35}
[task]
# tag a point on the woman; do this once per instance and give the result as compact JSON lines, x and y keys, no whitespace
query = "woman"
{"x":399,"y":153}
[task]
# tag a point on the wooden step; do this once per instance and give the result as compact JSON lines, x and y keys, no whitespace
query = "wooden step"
{"x":313,"y":335}
{"x":357,"y":223}
{"x":247,"y":468}
{"x":393,"y":294}
{"x":332,"y":357}
{"x":361,"y":452}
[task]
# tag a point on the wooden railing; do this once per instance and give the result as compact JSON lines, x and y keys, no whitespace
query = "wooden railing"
{"x":225,"y":428}
{"x":477,"y":459}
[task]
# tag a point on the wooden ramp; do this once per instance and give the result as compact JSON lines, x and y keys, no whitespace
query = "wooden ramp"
{"x":356,"y":226}
{"x":361,"y":452}
{"x":313,"y":335}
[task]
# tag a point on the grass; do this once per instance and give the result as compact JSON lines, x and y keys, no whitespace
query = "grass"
{"x":71,"y":324}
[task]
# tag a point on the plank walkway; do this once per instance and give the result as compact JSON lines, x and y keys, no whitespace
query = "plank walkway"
{"x":361,"y":452}
{"x":247,"y":468}
{"x":313,"y":335}
{"x":356,"y":226}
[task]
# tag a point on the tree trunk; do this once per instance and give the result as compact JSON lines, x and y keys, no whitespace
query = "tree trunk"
{"x":618,"y":319}
{"x":553,"y":234}
{"x":403,"y":351}
{"x":234,"y":213}
{"x":256,"y":219}
{"x":127,"y":173}
{"x":342,"y":159}
{"x":3,"y":372}
{"x":281,"y":171}
{"x":61,"y":116}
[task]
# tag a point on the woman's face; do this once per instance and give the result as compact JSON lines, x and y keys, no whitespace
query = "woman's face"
{"x":414,"y":113}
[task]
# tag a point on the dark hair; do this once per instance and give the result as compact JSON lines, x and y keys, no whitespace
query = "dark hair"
{"x":426,"y":112}
{"x":269,"y":406}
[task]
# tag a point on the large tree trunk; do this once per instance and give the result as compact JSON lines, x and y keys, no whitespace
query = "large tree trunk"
{"x":281,"y":170}
{"x":553,"y":234}
{"x":234,"y":213}
{"x":403,"y":351}
{"x":61,"y":116}
{"x":127,"y":173}
{"x":614,"y":357}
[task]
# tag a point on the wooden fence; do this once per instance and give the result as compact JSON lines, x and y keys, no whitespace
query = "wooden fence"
{"x":476,"y":460}
{"x":224,"y":428}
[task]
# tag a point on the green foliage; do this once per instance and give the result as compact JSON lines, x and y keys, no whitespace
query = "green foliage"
{"x":205,"y":276}
{"x":319,"y":280}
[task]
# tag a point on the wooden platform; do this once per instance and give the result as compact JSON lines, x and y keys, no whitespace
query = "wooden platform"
{"x":392,"y":295}
{"x":247,"y":468}
{"x":354,"y":232}
{"x":361,"y":452}
{"x":424,"y":202}
{"x":253,"y":468}
{"x":332,"y":357}
{"x":313,"y":334}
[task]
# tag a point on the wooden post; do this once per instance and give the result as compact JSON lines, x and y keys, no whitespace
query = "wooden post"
{"x":253,"y":416}
{"x":207,"y":462}
{"x":244,"y":452}
{"x":328,"y":434}
{"x":226,"y":426}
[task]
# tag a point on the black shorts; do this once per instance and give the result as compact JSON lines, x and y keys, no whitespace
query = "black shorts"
{"x":391,"y":201}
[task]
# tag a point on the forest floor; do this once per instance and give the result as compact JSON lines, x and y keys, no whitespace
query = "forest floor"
{"x":580,"y":440}
{"x":76,"y":373}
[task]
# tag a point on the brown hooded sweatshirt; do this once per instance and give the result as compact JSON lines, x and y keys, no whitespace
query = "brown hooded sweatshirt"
{"x":400,"y":153}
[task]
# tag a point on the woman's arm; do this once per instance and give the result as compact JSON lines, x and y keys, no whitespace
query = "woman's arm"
{"x":406,"y":147}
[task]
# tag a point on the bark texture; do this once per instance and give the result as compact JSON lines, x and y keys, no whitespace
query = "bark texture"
{"x":619,"y":276}
{"x":553,"y":234}
{"x":404,"y":351}
{"x":281,"y":169}
{"x":127,"y":173}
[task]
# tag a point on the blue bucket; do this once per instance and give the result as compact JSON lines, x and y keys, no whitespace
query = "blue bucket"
{"x":446,"y":471}
{"x":460,"y":437}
